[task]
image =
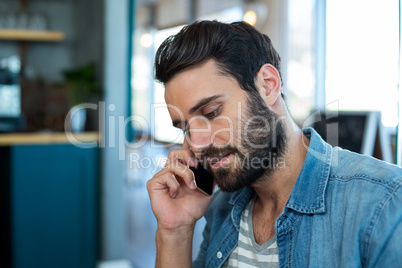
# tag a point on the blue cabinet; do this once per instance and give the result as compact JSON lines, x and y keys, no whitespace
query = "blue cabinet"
{"x":54,"y":194}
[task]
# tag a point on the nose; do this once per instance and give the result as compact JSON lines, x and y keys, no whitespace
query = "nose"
{"x":199,"y":134}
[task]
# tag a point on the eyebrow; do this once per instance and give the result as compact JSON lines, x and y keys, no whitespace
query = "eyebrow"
{"x":204,"y":102}
{"x":199,"y":104}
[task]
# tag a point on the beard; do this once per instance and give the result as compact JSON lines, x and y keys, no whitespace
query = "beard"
{"x":262,"y":142}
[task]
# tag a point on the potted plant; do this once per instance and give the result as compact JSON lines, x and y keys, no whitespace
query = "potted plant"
{"x":82,"y":87}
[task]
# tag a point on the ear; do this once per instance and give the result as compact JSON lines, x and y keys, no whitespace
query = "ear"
{"x":269,"y":83}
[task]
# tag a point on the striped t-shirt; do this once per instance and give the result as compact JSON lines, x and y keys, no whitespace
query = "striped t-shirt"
{"x":248,"y":253}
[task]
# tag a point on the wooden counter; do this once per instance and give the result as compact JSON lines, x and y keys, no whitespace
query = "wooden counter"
{"x":45,"y":138}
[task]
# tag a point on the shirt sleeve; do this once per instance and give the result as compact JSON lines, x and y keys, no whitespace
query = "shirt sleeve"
{"x":384,"y":244}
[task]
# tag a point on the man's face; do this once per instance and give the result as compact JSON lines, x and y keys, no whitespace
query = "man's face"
{"x":233,"y":132}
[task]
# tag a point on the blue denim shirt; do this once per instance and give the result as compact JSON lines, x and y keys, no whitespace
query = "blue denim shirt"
{"x":345,"y":210}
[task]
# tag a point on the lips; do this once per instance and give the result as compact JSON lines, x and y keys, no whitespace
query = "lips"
{"x":216,"y":160}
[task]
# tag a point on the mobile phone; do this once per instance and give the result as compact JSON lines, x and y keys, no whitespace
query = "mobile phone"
{"x":203,"y":179}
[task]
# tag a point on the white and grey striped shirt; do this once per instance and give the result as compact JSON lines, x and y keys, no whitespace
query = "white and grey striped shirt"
{"x":248,"y":253}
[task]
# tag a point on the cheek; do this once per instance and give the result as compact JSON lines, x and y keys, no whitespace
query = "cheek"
{"x":224,"y":131}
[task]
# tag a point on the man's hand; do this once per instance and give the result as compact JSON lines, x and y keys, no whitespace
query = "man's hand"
{"x":177,"y":205}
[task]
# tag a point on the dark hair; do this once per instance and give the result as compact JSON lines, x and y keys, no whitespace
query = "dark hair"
{"x":238,"y":49}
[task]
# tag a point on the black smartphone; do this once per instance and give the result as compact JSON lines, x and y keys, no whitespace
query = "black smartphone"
{"x":204,"y":179}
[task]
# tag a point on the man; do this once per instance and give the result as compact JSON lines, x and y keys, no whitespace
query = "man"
{"x":286,"y":198}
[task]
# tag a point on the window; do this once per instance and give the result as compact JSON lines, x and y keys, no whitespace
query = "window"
{"x":162,"y":128}
{"x":362,"y":56}
{"x":300,"y":82}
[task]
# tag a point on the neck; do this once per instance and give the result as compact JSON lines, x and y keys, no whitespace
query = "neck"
{"x":273,"y":192}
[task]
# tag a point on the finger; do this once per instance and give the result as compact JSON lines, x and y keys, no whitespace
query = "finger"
{"x":184,"y":172}
{"x":184,"y":156}
{"x":166,"y":181}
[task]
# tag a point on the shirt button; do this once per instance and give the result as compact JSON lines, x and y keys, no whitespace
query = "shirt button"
{"x":219,"y":254}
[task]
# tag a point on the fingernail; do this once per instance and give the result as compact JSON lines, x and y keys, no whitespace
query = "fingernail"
{"x":193,"y":161}
{"x":193,"y":184}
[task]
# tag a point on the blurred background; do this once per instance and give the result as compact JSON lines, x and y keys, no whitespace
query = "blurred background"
{"x":83,"y":125}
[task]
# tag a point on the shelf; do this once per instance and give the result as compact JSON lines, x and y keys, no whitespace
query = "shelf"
{"x":45,"y":138}
{"x":27,"y":35}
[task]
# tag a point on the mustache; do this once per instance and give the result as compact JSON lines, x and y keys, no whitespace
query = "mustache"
{"x":212,"y":151}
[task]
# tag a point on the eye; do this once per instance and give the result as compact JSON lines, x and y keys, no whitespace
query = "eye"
{"x":213,"y":114}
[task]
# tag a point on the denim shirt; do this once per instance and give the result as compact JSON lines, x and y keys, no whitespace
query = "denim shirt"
{"x":345,"y":210}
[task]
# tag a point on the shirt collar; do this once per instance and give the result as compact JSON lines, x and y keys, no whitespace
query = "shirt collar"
{"x":241,"y":197}
{"x":239,"y":201}
{"x":308,"y":193}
